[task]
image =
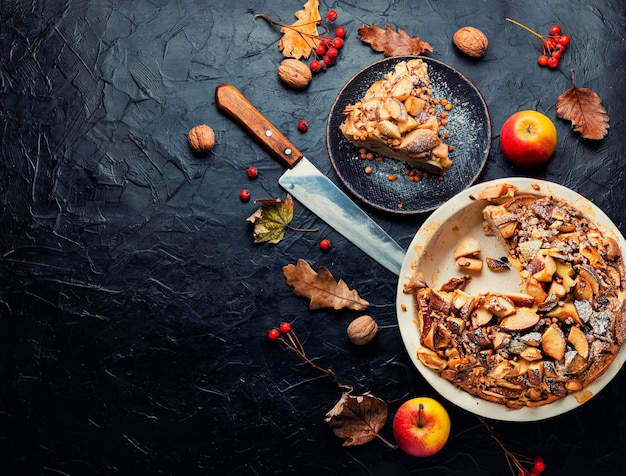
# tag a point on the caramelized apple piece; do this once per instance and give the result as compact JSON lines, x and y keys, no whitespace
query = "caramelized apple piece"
{"x":588,"y":282}
{"x":578,"y":339}
{"x":592,"y":254}
{"x":499,"y":305}
{"x":470,"y":264}
{"x":521,"y":299}
{"x":431,"y":359}
{"x":523,"y":319}
{"x":493,"y":192}
{"x":414,"y":105}
{"x":519,"y":201}
{"x":469,"y":246}
{"x":547,"y":267}
{"x":531,"y":354}
{"x":499,"y":339}
{"x":611,"y":248}
{"x":566,"y":312}
{"x":481,"y":317}
{"x":496,"y":265}
{"x":535,"y":289}
{"x":553,"y":342}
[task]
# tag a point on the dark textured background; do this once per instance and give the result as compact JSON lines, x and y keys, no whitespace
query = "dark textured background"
{"x":134,"y":304}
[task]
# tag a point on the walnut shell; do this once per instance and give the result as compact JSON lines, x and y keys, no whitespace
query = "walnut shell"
{"x":294,"y":73}
{"x":362,"y":330}
{"x":201,"y":139}
{"x":471,"y":41}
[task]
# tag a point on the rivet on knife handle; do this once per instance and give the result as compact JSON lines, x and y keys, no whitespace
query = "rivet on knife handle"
{"x":230,"y":100}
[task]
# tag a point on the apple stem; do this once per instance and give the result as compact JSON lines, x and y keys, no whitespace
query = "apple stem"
{"x":420,"y":420}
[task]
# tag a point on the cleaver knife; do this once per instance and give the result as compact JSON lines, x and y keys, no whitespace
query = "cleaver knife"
{"x":311,"y":187}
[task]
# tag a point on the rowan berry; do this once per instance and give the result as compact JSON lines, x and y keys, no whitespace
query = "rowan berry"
{"x":244,"y":195}
{"x":253,"y":172}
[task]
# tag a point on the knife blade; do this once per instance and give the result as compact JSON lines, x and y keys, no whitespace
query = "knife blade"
{"x":311,"y":187}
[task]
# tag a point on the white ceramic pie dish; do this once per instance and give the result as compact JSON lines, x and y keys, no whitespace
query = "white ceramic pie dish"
{"x":431,"y":252}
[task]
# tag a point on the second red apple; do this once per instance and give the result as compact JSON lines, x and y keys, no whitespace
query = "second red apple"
{"x":528,"y":139}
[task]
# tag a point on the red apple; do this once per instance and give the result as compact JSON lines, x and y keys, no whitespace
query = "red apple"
{"x":421,"y":426}
{"x":528,"y":139}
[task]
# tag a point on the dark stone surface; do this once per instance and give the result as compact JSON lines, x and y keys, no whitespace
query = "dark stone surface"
{"x":133,"y":302}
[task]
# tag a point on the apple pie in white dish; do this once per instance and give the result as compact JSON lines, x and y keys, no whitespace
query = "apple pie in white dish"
{"x":396,"y":117}
{"x":546,"y":338}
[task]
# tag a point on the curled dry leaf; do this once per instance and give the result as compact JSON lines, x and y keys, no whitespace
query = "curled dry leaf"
{"x":271,"y":219}
{"x":358,"y":419}
{"x":321,"y":288}
{"x":583,"y":107}
{"x":298,"y":40}
{"x":393,"y":43}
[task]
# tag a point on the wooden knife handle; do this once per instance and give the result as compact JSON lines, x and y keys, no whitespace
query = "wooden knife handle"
{"x":230,"y":100}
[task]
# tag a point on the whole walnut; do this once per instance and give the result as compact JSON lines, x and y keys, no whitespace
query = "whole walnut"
{"x":362,"y":330}
{"x":201,"y":139}
{"x":295,"y":73}
{"x":471,"y":41}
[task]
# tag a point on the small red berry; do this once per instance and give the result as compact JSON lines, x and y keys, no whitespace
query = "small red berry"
{"x":543,"y":60}
{"x":285,"y":327}
{"x":556,"y":54}
{"x":253,"y":172}
{"x":328,"y":61}
{"x":341,"y":31}
{"x":273,"y":334}
{"x":303,"y":125}
{"x":244,"y":195}
{"x":553,"y":62}
{"x":315,"y":66}
{"x":564,"y":40}
{"x":332,"y":52}
{"x":325,"y":245}
{"x":320,"y":50}
{"x":337,"y":42}
{"x":332,"y":15}
{"x":555,"y":30}
{"x":539,"y":465}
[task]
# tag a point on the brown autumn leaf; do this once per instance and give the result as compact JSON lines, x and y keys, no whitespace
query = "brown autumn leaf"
{"x":358,"y":419}
{"x":393,"y":43}
{"x":271,"y":219}
{"x":301,"y":37}
{"x":583,"y":107}
{"x":321,"y":288}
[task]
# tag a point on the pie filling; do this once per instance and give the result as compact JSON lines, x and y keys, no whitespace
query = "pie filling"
{"x":554,"y":337}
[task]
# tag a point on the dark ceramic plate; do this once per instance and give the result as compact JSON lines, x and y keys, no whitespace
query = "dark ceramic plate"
{"x":469,"y":131}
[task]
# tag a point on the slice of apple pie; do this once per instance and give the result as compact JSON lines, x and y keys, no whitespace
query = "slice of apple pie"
{"x":397,"y":118}
{"x":555,"y":336}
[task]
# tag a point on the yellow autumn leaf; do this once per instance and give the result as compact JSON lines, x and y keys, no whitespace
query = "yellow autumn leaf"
{"x":301,"y":37}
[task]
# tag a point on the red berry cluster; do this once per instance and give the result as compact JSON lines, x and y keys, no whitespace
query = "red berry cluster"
{"x":538,"y":467}
{"x":327,"y":50}
{"x":553,"y":47}
{"x":274,"y":334}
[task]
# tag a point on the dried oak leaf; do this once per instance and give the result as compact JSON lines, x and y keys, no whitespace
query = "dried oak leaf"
{"x":271,"y":219}
{"x":583,"y":107}
{"x":392,"y":43}
{"x":358,"y":419}
{"x":301,"y":37}
{"x":321,"y":288}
